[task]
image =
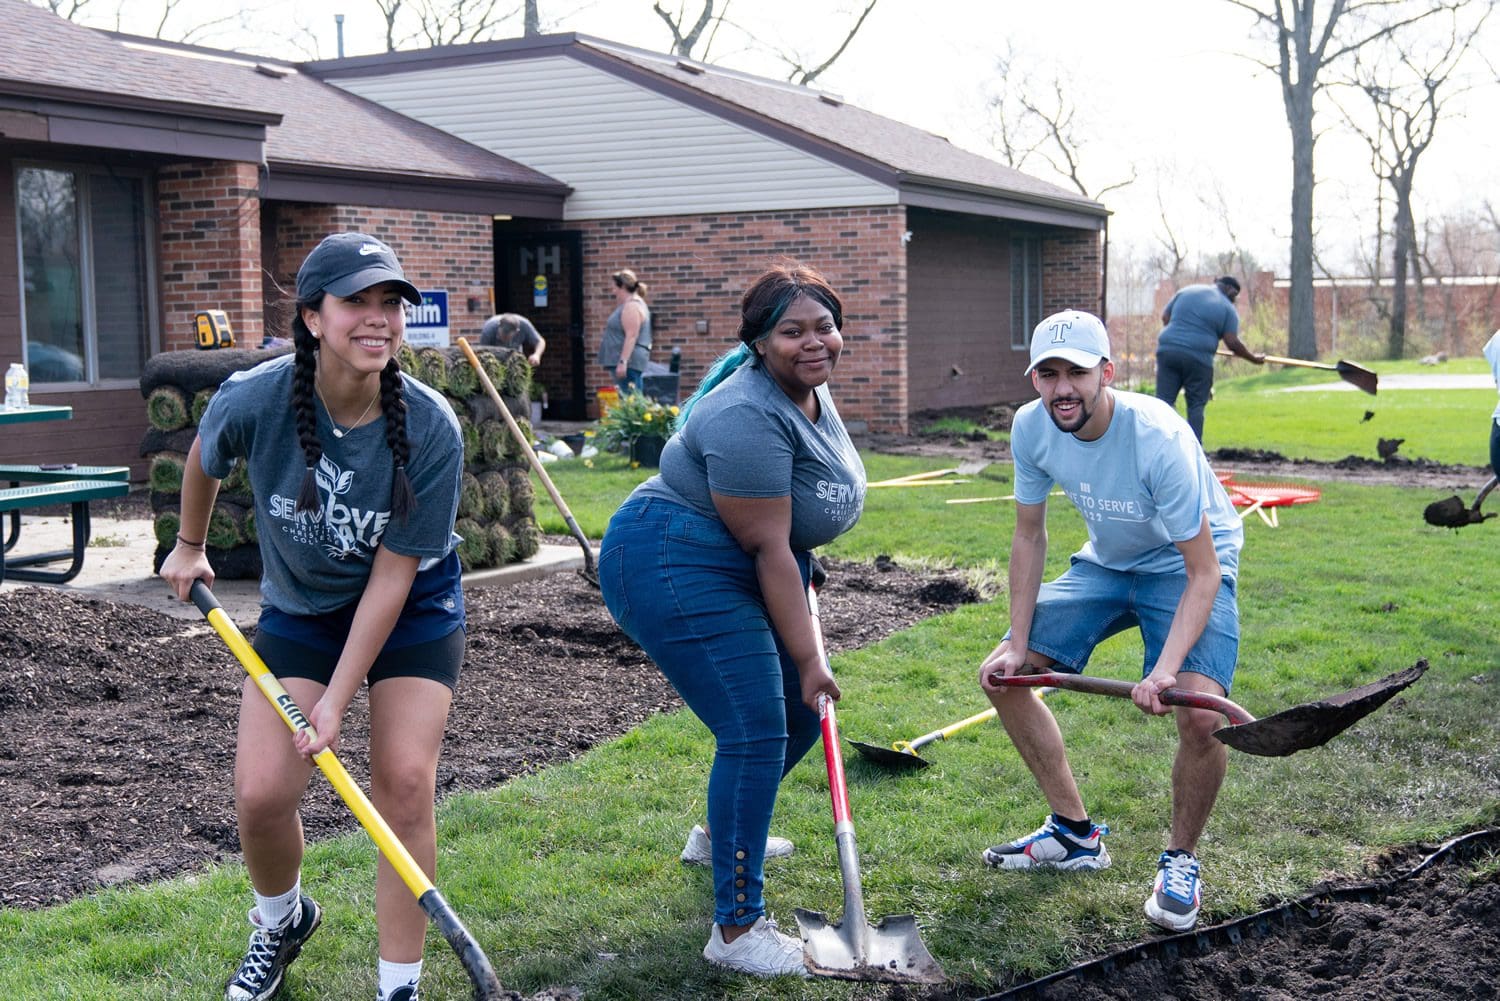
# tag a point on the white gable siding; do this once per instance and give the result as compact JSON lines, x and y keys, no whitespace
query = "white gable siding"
{"x":626,"y":150}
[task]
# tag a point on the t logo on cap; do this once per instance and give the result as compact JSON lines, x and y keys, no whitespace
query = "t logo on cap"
{"x":1072,"y":335}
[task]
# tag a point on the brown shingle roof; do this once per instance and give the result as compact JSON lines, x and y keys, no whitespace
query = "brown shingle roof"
{"x":913,"y":152}
{"x":309,"y":123}
{"x":47,"y":55}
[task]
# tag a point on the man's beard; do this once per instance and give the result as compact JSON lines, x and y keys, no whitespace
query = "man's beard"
{"x":1075,"y":423}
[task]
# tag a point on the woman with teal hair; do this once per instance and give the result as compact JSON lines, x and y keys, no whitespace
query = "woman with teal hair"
{"x":716,"y":551}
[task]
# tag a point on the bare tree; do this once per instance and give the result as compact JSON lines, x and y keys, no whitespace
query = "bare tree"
{"x":685,"y":41}
{"x":533,"y":22}
{"x":1406,"y":95}
{"x":800,"y":74}
{"x":69,"y":9}
{"x":693,"y":37}
{"x":1307,"y":41}
{"x":1035,"y":116}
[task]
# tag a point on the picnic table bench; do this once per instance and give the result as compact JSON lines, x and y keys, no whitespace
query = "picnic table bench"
{"x":37,"y":486}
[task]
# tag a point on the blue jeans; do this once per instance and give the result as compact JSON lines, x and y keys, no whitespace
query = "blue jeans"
{"x":1190,"y":374}
{"x":1088,"y":604}
{"x":680,"y":585}
{"x":634,"y":382}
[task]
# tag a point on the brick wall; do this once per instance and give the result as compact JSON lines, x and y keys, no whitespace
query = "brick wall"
{"x":1072,"y":271}
{"x":208,"y":221}
{"x":697,"y":267}
{"x":438,"y":250}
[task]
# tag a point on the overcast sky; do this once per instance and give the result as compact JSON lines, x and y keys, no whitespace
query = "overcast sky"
{"x":1163,"y":88}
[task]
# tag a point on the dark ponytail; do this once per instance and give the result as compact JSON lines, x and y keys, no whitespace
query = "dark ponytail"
{"x":393,"y":404}
{"x":304,"y":371}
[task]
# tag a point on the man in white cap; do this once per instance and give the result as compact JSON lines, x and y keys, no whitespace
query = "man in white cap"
{"x":1162,"y":555}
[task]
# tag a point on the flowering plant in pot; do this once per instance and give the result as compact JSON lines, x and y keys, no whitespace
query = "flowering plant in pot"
{"x":637,"y":425}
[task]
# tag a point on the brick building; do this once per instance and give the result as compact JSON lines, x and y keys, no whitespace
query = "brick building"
{"x":146,"y":181}
{"x":695,"y":176}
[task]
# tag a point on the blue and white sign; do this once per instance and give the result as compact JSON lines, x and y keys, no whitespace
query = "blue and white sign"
{"x":427,"y":324}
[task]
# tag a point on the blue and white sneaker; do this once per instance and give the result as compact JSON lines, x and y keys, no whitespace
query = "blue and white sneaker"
{"x":1052,"y":847}
{"x":1174,"y":902}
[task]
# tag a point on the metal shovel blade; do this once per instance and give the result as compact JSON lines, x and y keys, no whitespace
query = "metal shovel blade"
{"x":888,"y":757}
{"x":1315,"y":723}
{"x":890,"y":950}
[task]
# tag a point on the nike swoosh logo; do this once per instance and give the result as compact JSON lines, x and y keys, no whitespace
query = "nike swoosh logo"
{"x":368,"y":249}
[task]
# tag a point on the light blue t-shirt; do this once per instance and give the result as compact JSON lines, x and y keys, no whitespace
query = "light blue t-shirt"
{"x":1492,"y":355}
{"x":315,"y":562}
{"x":1200,"y":315}
{"x":748,"y":439}
{"x":1142,"y":487}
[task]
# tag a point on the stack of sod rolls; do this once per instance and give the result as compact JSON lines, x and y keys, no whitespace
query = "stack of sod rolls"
{"x":495,"y":515}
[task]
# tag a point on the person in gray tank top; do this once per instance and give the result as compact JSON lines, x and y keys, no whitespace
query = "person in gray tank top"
{"x":706,"y":565}
{"x":626,"y":345}
{"x":355,"y":469}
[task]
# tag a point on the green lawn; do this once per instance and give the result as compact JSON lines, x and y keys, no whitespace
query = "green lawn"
{"x":571,"y":876}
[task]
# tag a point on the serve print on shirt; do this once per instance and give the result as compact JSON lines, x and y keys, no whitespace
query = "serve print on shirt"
{"x":339,"y":529}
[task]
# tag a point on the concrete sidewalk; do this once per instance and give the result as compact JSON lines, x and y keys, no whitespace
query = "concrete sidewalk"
{"x":118,"y":566}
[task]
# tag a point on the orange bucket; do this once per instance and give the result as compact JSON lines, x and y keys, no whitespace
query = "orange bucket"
{"x":606,"y":398}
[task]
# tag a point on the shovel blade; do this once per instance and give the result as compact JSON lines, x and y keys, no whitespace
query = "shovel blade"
{"x":889,"y":757}
{"x":1316,"y":723}
{"x":891,"y":950}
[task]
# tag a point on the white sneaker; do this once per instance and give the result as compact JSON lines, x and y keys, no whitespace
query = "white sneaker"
{"x":699,"y":849}
{"x":761,"y":952}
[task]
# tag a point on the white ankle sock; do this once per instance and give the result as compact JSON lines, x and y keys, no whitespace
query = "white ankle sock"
{"x":280,"y":910}
{"x":394,"y":975}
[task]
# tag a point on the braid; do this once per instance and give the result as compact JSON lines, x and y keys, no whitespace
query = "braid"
{"x":304,"y":370}
{"x":403,"y":499}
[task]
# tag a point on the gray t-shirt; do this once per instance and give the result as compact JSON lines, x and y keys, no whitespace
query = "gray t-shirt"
{"x":317,"y":561}
{"x":510,"y":330}
{"x":748,"y":439}
{"x":1200,"y":316}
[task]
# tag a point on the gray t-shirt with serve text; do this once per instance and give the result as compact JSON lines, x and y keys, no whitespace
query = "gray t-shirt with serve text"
{"x":318,"y":561}
{"x":748,"y":439}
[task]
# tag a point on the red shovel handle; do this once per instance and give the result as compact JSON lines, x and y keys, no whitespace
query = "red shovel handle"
{"x":838,"y":788}
{"x":828,"y":719}
{"x":1121,"y":690}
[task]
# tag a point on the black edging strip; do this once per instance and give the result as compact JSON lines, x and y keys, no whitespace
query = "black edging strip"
{"x":1306,"y":910}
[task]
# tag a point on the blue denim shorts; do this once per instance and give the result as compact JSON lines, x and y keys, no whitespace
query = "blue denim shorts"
{"x":1088,"y":604}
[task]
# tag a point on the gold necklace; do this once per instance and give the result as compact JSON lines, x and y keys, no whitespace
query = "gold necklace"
{"x":337,"y":432}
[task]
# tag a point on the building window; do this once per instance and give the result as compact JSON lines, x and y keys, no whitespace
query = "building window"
{"x":85,"y":274}
{"x":1025,"y":289}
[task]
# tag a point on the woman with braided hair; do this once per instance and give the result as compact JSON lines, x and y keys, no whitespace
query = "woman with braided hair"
{"x":355,"y":469}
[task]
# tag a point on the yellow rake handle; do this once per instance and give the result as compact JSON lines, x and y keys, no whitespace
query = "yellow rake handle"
{"x":291,"y":714}
{"x":439,"y":911}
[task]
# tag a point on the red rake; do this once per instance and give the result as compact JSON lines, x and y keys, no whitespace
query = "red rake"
{"x":1265,"y":498}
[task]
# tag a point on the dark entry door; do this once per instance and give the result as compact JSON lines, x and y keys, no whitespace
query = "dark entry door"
{"x":540,"y":276}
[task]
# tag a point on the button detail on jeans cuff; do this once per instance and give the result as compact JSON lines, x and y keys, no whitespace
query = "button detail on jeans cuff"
{"x":740,"y":854}
{"x":739,"y":883}
{"x":739,"y":868}
{"x":740,"y":897}
{"x":739,"y":911}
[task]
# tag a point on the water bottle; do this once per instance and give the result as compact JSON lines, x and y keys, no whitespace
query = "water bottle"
{"x":17,"y":386}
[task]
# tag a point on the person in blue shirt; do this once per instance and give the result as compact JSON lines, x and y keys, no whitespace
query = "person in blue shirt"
{"x":1162,"y":556}
{"x":706,"y":567}
{"x":1197,"y":318}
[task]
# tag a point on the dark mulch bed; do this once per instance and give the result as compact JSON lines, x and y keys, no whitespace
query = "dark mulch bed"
{"x":117,"y":737}
{"x":117,"y":722}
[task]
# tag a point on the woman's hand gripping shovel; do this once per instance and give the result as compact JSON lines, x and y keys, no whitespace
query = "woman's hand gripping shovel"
{"x":853,"y":949}
{"x":476,"y":964}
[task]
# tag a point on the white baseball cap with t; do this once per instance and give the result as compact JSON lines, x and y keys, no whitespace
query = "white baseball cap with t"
{"x":1072,"y":335}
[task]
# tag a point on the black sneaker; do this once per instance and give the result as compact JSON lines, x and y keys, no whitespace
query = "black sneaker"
{"x":270,"y":953}
{"x":406,"y":992}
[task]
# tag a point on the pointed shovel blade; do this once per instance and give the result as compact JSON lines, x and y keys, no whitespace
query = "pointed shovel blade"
{"x":1316,"y":723}
{"x":890,"y":951}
